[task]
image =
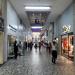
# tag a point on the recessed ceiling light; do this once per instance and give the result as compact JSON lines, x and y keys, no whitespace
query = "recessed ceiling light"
{"x":37,"y":8}
{"x":34,"y":27}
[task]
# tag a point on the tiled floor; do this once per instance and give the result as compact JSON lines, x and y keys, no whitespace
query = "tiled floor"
{"x":37,"y":63}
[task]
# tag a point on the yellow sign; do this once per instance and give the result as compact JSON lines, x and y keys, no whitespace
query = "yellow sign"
{"x":66,"y":28}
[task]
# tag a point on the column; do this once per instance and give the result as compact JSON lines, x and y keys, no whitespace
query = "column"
{"x":50,"y":33}
{"x":74,"y":26}
{"x":3,"y":24}
{"x":4,"y":14}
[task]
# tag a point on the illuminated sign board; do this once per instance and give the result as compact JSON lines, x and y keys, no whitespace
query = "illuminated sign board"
{"x":12,"y":28}
{"x":66,"y":28}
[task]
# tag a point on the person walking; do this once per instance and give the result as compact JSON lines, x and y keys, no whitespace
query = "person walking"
{"x":20,"y":48}
{"x":24,"y":47}
{"x":35,"y":46}
{"x":54,"y":52}
{"x":28,"y":45}
{"x":15,"y":49}
{"x":39,"y":46}
{"x":49,"y":47}
{"x":31,"y":45}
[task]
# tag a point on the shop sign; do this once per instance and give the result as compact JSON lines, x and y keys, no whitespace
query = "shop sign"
{"x":66,"y":28}
{"x":12,"y":28}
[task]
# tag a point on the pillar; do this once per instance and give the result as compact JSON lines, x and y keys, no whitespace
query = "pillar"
{"x":74,"y":26}
{"x":3,"y":39}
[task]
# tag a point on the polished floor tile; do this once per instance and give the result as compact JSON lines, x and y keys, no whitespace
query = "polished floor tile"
{"x":37,"y":63}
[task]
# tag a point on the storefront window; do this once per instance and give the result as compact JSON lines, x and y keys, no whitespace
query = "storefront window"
{"x":71,"y":47}
{"x":67,"y":45}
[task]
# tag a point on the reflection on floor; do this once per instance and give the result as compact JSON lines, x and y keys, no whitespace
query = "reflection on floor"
{"x":37,"y":63}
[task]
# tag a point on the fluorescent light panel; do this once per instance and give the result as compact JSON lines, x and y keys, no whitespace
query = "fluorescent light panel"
{"x":34,"y":27}
{"x":37,"y":8}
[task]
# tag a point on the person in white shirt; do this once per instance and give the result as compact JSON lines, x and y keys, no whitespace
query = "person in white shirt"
{"x":54,"y":52}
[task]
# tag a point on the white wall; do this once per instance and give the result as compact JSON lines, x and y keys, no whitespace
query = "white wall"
{"x":65,"y":19}
{"x":12,"y":19}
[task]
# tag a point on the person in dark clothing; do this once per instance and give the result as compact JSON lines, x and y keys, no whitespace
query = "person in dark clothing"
{"x":28,"y":45}
{"x":20,"y":48}
{"x":25,"y":45}
{"x":49,"y":47}
{"x":35,"y":46}
{"x":39,"y":46}
{"x":31,"y":45}
{"x":15,"y":49}
{"x":54,"y":52}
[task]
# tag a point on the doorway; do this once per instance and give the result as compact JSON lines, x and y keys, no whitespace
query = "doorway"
{"x":1,"y":46}
{"x":11,"y":40}
{"x":67,"y":46}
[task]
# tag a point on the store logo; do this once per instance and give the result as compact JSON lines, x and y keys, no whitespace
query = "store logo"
{"x":66,"y":28}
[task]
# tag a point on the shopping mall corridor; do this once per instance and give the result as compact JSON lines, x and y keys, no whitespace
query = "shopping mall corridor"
{"x":37,"y":63}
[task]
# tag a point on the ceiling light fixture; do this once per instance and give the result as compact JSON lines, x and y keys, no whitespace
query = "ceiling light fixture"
{"x":37,"y":8}
{"x":34,"y":27}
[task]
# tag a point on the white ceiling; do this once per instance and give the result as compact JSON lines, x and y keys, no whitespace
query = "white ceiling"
{"x":58,"y":6}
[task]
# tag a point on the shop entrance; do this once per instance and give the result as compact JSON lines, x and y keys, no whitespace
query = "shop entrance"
{"x":11,"y":40}
{"x":1,"y":46}
{"x":67,"y":47}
